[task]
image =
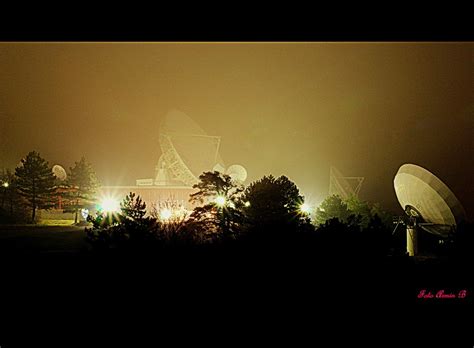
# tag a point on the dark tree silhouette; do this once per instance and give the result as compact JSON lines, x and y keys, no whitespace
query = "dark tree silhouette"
{"x":127,"y":230}
{"x":273,"y":204}
{"x":332,"y":207}
{"x":353,"y":211}
{"x":12,"y":209}
{"x":131,"y":230}
{"x":36,"y":182}
{"x":220,"y":212}
{"x":361,"y":209}
{"x":82,"y":183}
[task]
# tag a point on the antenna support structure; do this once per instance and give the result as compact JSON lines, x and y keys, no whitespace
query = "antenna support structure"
{"x":344,"y":186}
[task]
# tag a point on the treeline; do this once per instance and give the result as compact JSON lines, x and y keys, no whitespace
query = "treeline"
{"x":265,"y":216}
{"x":32,"y":186}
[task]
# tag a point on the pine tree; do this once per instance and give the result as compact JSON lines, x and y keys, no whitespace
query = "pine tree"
{"x":220,"y":206}
{"x":83,"y":185}
{"x":35,"y":182}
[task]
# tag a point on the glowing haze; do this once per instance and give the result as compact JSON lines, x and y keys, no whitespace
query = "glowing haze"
{"x":281,"y":108}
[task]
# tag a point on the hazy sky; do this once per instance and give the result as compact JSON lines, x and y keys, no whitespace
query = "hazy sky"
{"x":281,"y":108}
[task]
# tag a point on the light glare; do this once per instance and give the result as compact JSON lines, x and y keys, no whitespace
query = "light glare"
{"x":305,"y":208}
{"x":110,"y":205}
{"x":220,"y":201}
{"x":165,"y":214}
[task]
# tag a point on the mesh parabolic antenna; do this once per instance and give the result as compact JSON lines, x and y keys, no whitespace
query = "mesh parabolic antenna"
{"x":237,"y":172}
{"x":59,"y":172}
{"x":187,"y":151}
{"x":425,"y":197}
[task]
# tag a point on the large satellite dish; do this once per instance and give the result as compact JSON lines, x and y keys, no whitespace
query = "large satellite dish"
{"x":59,"y":172}
{"x":187,"y":151}
{"x":427,"y":201}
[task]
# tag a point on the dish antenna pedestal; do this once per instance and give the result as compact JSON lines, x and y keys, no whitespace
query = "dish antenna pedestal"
{"x":412,"y":241}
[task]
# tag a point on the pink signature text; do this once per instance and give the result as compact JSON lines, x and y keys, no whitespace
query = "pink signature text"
{"x":442,"y":294}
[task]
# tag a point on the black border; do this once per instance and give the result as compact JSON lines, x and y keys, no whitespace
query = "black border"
{"x":247,"y":24}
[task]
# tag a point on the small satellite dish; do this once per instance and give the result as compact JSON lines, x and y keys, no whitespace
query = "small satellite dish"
{"x":59,"y":172}
{"x":428,"y":202}
{"x":237,"y":172}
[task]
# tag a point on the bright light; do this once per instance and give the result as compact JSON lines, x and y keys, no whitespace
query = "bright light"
{"x":110,"y":205}
{"x":85,"y":213}
{"x":220,"y":201}
{"x":165,"y":214}
{"x":5,"y":184}
{"x":247,"y":204}
{"x":305,"y":208}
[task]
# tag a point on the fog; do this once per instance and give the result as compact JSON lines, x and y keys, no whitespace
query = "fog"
{"x":281,"y":108}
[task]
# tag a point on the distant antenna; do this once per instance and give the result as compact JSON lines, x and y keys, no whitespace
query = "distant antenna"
{"x":178,"y":169}
{"x":186,"y":152}
{"x":59,"y":172}
{"x":344,"y":186}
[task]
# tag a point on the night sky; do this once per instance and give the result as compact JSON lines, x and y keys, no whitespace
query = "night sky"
{"x":281,"y":108}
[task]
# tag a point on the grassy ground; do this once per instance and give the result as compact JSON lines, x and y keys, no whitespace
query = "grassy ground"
{"x":56,"y":222}
{"x":53,"y":236}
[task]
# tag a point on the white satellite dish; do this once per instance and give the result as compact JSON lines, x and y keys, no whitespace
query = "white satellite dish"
{"x":237,"y":172}
{"x":428,"y":202}
{"x":59,"y":172}
{"x":186,"y":152}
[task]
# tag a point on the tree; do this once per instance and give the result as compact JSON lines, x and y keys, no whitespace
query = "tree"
{"x":385,"y":217}
{"x":352,"y":210}
{"x":35,"y":182}
{"x":121,"y":230}
{"x":12,"y":209}
{"x":361,"y":210}
{"x":332,"y":207}
{"x":354,"y":226}
{"x":131,"y":230}
{"x":220,"y":212}
{"x":83,"y":184}
{"x":273,"y":204}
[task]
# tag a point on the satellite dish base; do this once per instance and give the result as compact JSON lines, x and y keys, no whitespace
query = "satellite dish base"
{"x":412,"y":241}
